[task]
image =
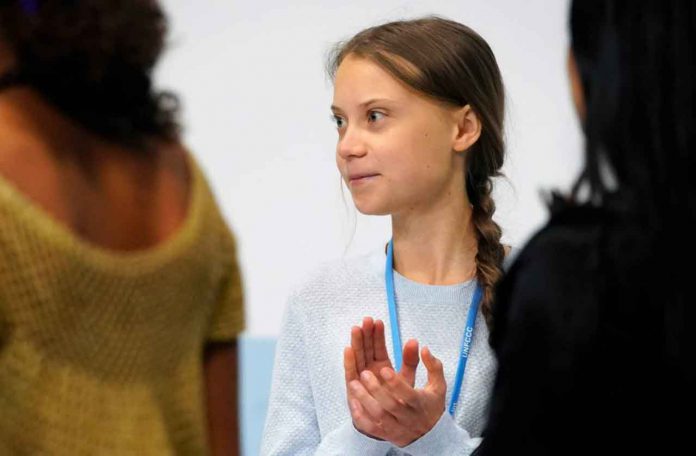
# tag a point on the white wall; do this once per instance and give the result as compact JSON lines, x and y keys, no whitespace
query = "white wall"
{"x":256,"y":110}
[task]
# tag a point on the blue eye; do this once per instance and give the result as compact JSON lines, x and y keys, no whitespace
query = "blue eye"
{"x":374,"y":116}
{"x":339,"y":121}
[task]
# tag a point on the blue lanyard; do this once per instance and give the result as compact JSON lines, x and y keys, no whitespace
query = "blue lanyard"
{"x":396,"y":333}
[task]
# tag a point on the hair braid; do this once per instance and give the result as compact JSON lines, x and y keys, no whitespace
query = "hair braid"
{"x":491,"y":253}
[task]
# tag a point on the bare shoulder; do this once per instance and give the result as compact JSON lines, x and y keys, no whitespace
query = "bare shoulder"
{"x":31,"y":170}
{"x":174,"y":159}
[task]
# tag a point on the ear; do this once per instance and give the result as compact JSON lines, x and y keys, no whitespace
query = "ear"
{"x":468,"y":129}
{"x":576,"y":86}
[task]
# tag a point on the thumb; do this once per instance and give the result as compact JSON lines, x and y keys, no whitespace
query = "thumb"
{"x":436,"y":374}
{"x":410,"y":362}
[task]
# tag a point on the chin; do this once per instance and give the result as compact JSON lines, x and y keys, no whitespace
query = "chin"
{"x":371,"y":208}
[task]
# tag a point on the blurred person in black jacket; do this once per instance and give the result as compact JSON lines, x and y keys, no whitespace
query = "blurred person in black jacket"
{"x":594,"y":324}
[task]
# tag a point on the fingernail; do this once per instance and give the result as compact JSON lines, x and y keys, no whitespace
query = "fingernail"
{"x":387,"y":374}
{"x":365,"y":375}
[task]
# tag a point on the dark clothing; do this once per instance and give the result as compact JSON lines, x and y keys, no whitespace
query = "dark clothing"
{"x":594,"y":331}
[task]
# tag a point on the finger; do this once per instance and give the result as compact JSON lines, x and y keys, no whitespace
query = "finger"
{"x":374,"y":410}
{"x":380,"y":393}
{"x":349,"y":366}
{"x":410,"y":361}
{"x":356,"y":343}
{"x":380,"y":343}
{"x":368,"y":339}
{"x":362,"y":421}
{"x":400,"y":389}
{"x":436,"y":373}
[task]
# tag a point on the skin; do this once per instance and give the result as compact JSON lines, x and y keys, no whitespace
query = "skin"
{"x":385,"y":404}
{"x":89,"y":185}
{"x":413,"y":149}
{"x":576,"y":86}
{"x":403,"y":154}
{"x":220,"y":370}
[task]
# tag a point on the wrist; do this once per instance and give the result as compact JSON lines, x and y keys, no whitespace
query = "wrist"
{"x":432,"y":421}
{"x":366,"y":434}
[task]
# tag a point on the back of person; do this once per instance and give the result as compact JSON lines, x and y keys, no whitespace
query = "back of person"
{"x":102,"y":352}
{"x":646,"y":375}
{"x":120,"y":295}
{"x":594,"y":324}
{"x":595,"y":349}
{"x":82,"y":180}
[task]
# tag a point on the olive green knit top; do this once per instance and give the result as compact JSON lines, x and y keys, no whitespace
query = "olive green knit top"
{"x":101,"y":351}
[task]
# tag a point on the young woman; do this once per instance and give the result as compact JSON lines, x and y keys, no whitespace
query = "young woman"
{"x":594,"y":325}
{"x":419,"y":111}
{"x":120,"y":297}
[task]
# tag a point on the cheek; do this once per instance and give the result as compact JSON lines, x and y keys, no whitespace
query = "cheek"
{"x":340,"y":162}
{"x":424,"y":157}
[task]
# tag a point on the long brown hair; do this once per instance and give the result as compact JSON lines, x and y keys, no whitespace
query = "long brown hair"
{"x":450,"y":62}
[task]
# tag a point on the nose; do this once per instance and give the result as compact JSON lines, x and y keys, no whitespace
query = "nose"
{"x":351,"y":145}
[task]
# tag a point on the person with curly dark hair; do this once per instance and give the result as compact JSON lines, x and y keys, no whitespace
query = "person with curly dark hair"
{"x":120,"y":294}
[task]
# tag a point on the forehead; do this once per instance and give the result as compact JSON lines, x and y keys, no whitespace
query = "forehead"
{"x":358,"y":77}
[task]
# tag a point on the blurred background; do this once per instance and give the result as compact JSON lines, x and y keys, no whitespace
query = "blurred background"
{"x":256,"y":97}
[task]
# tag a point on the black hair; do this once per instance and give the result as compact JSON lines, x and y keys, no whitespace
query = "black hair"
{"x":637,"y":64}
{"x":93,"y":61}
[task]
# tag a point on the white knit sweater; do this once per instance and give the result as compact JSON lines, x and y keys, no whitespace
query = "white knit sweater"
{"x":308,"y":413}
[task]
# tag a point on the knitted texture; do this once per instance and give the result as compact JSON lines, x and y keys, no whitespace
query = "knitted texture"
{"x":308,"y":413}
{"x":101,"y":351}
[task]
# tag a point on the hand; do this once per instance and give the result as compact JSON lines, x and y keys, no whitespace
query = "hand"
{"x":395,"y":411}
{"x":368,"y":352}
{"x":367,"y":349}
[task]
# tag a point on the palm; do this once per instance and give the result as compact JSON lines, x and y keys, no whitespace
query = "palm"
{"x":375,"y":366}
{"x":369,"y":351}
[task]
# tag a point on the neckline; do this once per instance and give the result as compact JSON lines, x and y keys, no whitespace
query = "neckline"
{"x":455,"y":293}
{"x":125,"y":262}
{"x":402,"y":278}
{"x":452,"y":293}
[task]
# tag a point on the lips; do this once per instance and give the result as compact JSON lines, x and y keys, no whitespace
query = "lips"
{"x":360,"y":177}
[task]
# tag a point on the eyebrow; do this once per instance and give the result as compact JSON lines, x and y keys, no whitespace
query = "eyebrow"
{"x":365,"y":104}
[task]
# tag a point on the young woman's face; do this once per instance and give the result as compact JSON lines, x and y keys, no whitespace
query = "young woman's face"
{"x":395,"y":146}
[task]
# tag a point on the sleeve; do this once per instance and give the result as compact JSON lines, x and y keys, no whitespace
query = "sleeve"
{"x":446,"y":437}
{"x":227,"y":320}
{"x":544,"y":325}
{"x":291,"y":424}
